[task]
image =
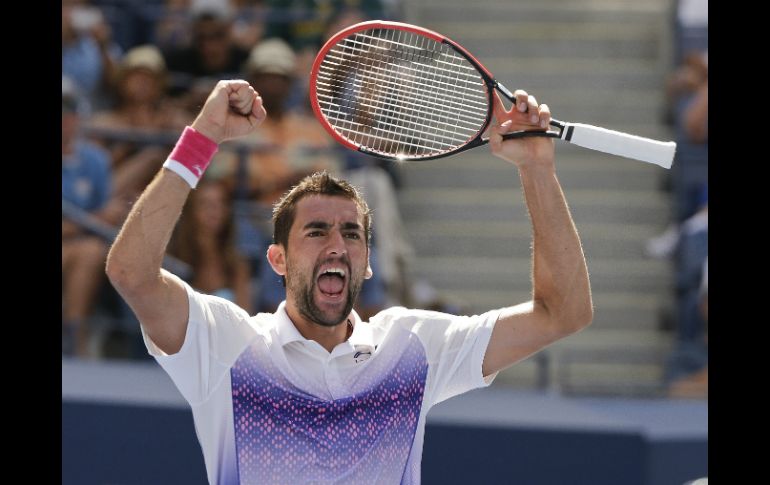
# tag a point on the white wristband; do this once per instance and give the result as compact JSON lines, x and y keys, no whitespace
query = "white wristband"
{"x":182,"y":171}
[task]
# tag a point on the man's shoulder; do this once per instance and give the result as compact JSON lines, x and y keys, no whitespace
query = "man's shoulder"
{"x":263,"y":320}
{"x":220,"y":308}
{"x":407,"y":316}
{"x":419,"y":320}
{"x":264,"y":315}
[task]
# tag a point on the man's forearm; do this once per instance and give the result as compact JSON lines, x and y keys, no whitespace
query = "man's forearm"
{"x":137,"y":254}
{"x":560,"y":276}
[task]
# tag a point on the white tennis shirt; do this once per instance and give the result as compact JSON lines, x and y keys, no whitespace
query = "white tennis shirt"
{"x":271,"y":407}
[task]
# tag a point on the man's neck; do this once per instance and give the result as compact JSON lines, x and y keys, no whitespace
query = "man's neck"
{"x":328,"y":337}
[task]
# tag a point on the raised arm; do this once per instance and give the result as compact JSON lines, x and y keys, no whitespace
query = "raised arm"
{"x":561,"y":301}
{"x":159,"y":301}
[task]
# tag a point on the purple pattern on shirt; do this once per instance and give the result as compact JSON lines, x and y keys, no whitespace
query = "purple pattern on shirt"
{"x":285,"y":435}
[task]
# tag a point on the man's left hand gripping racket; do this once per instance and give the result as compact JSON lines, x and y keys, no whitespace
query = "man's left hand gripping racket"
{"x":401,"y":92}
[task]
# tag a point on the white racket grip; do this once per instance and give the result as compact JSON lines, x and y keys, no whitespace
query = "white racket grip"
{"x":618,"y":143}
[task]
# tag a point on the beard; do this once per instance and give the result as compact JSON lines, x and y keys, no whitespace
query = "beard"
{"x":304,"y":290}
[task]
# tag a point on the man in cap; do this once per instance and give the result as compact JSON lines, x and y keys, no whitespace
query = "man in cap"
{"x":142,"y":106}
{"x":212,"y":53}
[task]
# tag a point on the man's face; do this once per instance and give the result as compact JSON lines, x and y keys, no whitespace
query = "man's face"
{"x":327,"y":258}
{"x":140,"y":85}
{"x":212,"y":40}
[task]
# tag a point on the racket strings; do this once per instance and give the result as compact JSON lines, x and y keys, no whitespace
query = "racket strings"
{"x":401,"y":94}
{"x":449,"y":79}
{"x":391,"y":106}
{"x":380,"y":76}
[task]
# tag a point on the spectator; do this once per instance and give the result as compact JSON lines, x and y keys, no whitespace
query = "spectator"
{"x":172,"y":29}
{"x":212,"y":53}
{"x":85,"y":172}
{"x":205,"y":239}
{"x":305,"y":25}
{"x":690,"y":170}
{"x":691,"y":23}
{"x":696,"y":116}
{"x":142,"y":109}
{"x":690,"y":379}
{"x":88,"y":54}
{"x":248,"y":22}
{"x":692,"y":252}
{"x":302,"y":23}
{"x":687,"y":367}
{"x":687,"y":78}
{"x":688,"y":98}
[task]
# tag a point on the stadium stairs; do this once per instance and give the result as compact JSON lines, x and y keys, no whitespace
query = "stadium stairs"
{"x":601,"y":62}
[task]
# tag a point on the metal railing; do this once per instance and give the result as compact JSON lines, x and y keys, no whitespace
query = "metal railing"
{"x":108,"y":232}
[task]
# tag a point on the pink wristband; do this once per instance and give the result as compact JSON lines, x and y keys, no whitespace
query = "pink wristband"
{"x":191,"y":156}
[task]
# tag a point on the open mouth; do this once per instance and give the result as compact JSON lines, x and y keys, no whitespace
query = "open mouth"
{"x":331,"y":281}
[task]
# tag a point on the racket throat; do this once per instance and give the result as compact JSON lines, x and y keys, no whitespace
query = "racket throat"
{"x":506,"y":92}
{"x":565,"y":131}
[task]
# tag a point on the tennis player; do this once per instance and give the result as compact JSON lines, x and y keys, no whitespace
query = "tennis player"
{"x":312,"y":394}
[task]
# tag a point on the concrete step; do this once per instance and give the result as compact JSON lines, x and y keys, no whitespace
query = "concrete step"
{"x":615,"y":379}
{"x":553,"y":81}
{"x":518,"y":14}
{"x":652,"y":214}
{"x":468,"y":239}
{"x":601,"y":106}
{"x":503,"y":206}
{"x":596,"y":360}
{"x":561,"y":65}
{"x":609,"y":340}
{"x":533,"y":11}
{"x":621,"y":48}
{"x":612,"y":309}
{"x":521,"y":75}
{"x":607,"y":29}
{"x":634,"y":36}
{"x":546,"y":8}
{"x":601,"y":171}
{"x":498,"y":275}
{"x":600,"y":62}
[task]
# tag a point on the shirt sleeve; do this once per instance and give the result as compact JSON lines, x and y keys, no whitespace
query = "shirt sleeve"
{"x":455,"y":348}
{"x":217,"y":332}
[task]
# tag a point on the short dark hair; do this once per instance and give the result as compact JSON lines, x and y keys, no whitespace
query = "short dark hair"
{"x":319,"y":183}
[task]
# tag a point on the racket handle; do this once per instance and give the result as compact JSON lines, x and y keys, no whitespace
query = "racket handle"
{"x":622,"y":144}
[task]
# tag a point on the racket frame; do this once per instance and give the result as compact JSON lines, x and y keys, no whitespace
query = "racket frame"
{"x":490,"y":84}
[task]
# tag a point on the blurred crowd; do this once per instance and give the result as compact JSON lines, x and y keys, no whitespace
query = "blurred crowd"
{"x":685,"y":241}
{"x":134,"y":73}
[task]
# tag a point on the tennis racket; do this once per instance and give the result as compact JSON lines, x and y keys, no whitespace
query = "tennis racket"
{"x":401,"y":92}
